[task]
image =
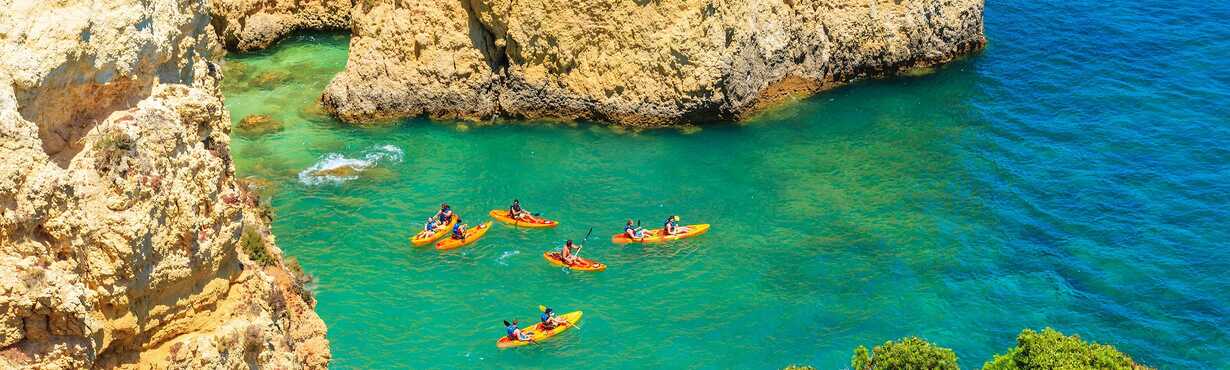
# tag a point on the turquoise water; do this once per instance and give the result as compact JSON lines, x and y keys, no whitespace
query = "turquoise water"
{"x":1073,"y":175}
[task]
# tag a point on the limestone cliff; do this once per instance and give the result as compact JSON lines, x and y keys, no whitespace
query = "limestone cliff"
{"x":120,"y":217}
{"x":255,"y":24}
{"x":641,"y":63}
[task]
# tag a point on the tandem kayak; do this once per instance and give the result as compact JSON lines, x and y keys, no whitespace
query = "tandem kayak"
{"x":540,"y":335}
{"x":658,"y":235}
{"x":421,"y":240}
{"x":501,"y":215}
{"x":581,"y":264}
{"x":472,"y":235}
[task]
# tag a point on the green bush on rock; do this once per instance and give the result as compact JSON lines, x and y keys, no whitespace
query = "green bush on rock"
{"x":1045,"y":350}
{"x":1050,"y":349}
{"x":254,"y":245}
{"x":910,"y":353}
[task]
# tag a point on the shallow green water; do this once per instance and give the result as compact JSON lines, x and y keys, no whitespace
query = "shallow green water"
{"x":960,"y":206}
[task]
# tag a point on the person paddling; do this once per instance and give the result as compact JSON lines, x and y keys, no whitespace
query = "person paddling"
{"x":671,"y":227}
{"x":429,"y":227}
{"x":516,"y":212}
{"x":633,"y":231}
{"x":445,"y":213}
{"x":569,"y":253}
{"x":515,"y":333}
{"x":550,"y":321}
{"x":459,"y":230}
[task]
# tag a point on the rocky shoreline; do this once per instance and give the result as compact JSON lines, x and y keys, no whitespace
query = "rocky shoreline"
{"x":638,"y":64}
{"x":120,"y":215}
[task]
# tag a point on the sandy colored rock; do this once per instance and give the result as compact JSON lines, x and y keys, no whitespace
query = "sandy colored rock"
{"x":258,"y":124}
{"x":635,"y":63}
{"x":339,"y":171}
{"x":269,"y":80}
{"x":119,"y":212}
{"x":437,"y":63}
{"x":256,"y":24}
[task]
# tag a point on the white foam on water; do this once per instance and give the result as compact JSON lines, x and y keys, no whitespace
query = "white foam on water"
{"x":503,"y":259}
{"x":330,"y":161}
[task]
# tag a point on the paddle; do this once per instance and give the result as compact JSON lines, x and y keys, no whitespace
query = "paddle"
{"x":577,"y":254}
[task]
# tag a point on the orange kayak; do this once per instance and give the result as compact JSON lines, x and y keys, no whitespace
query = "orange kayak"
{"x":501,"y":215}
{"x":581,"y":265}
{"x":421,"y":240}
{"x":659,"y":235}
{"x":472,"y":235}
{"x":538,"y":333}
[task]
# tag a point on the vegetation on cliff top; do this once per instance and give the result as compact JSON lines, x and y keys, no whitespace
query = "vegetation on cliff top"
{"x":1050,"y":349}
{"x":1045,"y":350}
{"x":907,"y":353}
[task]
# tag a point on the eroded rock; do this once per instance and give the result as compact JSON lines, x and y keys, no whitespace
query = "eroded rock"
{"x":119,"y":211}
{"x":634,"y":63}
{"x":255,"y":24}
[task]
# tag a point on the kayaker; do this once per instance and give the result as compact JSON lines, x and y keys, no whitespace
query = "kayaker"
{"x":569,"y":253}
{"x":515,"y":333}
{"x":429,"y":227}
{"x":633,"y":231}
{"x":672,"y":226}
{"x":459,"y":230}
{"x":549,"y":321}
{"x":445,"y":213}
{"x":516,"y":212}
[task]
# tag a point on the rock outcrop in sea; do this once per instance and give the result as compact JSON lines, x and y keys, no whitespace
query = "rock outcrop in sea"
{"x":246,"y":25}
{"x":642,"y":63}
{"x":120,"y":215}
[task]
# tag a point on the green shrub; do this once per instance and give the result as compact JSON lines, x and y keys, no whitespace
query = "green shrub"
{"x":110,"y":149}
{"x":254,"y":245}
{"x":1050,"y":349}
{"x":305,"y":283}
{"x":910,"y":353}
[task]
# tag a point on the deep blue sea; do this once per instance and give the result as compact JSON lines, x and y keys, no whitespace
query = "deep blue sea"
{"x":1075,"y":174}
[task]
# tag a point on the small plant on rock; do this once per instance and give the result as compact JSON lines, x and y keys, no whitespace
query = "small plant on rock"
{"x":305,"y":283}
{"x":254,"y":246}
{"x":110,"y":149}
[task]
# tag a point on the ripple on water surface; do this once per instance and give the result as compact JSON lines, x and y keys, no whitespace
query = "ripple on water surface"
{"x":1072,"y":178}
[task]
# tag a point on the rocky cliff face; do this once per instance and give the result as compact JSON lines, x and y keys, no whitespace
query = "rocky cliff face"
{"x":643,"y":63}
{"x":255,"y":24}
{"x":120,"y":217}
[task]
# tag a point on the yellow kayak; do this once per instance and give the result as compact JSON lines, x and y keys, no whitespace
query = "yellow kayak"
{"x":421,"y":240}
{"x":581,"y":265}
{"x":659,"y":235}
{"x":538,"y":334}
{"x":501,"y":215}
{"x":472,"y":235}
